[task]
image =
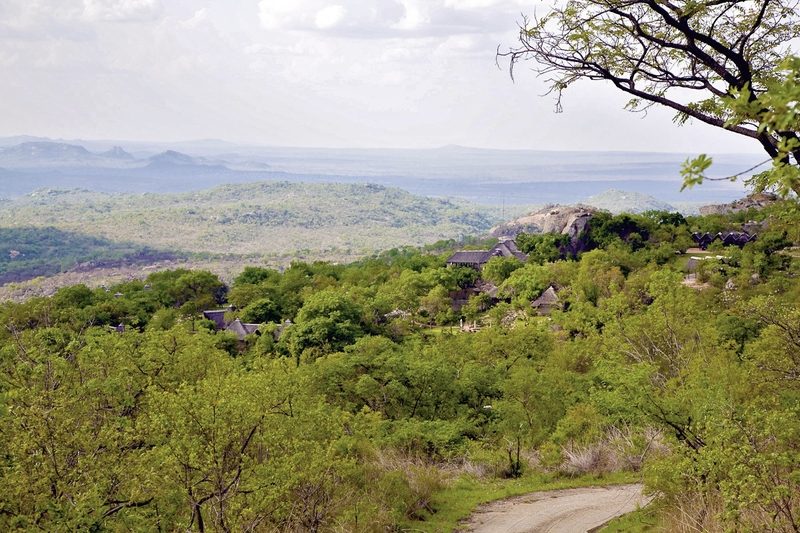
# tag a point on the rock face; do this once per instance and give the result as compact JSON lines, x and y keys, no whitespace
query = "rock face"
{"x":754,"y":201}
{"x":572,"y":221}
{"x":564,"y":219}
{"x":577,"y":229}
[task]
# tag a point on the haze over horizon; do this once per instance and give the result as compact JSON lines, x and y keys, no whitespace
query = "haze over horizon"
{"x":305,"y":73}
{"x":220,"y":143}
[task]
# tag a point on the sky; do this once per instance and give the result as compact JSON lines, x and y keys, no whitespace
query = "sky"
{"x":322,"y":73}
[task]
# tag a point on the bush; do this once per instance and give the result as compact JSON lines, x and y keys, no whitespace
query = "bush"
{"x":430,"y":439}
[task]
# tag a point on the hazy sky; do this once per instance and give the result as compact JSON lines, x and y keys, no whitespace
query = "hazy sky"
{"x":380,"y":73}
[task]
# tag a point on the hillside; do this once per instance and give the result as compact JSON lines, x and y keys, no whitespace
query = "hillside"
{"x":266,"y":219}
{"x":29,"y":252}
{"x":617,"y":201}
{"x":398,"y":393}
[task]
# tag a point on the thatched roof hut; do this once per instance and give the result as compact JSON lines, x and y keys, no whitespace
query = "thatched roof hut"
{"x":548,"y":301}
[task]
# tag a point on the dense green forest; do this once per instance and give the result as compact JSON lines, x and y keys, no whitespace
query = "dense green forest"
{"x":362,"y":402}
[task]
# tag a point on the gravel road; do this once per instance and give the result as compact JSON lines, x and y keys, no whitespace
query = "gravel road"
{"x":557,"y":511}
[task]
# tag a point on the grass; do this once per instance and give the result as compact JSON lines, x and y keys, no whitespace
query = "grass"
{"x":645,"y":520}
{"x":466,"y":493}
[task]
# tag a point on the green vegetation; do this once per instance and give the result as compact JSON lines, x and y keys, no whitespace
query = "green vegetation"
{"x":460,"y":498}
{"x":645,"y":520}
{"x":268,"y":219}
{"x":32,"y":251}
{"x":361,"y":405}
{"x":739,"y":70}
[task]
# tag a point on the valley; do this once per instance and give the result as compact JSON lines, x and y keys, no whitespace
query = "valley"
{"x":274,"y":223}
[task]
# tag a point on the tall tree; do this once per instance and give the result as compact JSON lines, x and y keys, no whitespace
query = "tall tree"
{"x":722,"y":62}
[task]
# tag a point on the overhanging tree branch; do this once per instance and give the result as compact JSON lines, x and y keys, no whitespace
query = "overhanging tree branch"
{"x":698,"y":58}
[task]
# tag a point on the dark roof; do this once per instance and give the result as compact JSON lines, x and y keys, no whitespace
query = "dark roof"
{"x":737,"y":238}
{"x":548,"y":297}
{"x":475,"y":257}
{"x":217,"y":316}
{"x":728,"y":238}
{"x":242,"y":330}
{"x":487,"y":287}
{"x":703,"y":237}
{"x":506,"y":248}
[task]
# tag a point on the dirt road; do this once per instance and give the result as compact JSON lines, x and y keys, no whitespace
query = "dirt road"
{"x":558,"y":511}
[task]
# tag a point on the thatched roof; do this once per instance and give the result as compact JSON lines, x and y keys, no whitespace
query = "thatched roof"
{"x":507,"y":248}
{"x":241,"y":330}
{"x":478,"y":258}
{"x":488,"y":288}
{"x":548,"y":298}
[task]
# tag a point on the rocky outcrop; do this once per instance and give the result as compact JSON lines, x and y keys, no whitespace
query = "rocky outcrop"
{"x":573,"y":221}
{"x":578,"y":230}
{"x":564,"y":219}
{"x":754,"y":201}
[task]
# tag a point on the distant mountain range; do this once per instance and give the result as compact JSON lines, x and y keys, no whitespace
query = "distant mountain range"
{"x":33,"y":165}
{"x":39,"y":154}
{"x":490,"y":177}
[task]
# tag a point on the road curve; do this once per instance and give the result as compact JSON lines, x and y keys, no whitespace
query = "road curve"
{"x":557,"y":511}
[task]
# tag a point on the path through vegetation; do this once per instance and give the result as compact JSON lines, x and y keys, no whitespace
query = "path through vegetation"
{"x":558,"y":511}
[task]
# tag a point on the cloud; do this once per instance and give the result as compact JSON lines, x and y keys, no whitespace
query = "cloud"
{"x":382,"y":19}
{"x":122,"y":10}
{"x":481,"y":4}
{"x":329,"y":17}
{"x":30,"y":20}
{"x":348,"y":17}
{"x":275,"y":14}
{"x":415,"y":16}
{"x":199,"y":16}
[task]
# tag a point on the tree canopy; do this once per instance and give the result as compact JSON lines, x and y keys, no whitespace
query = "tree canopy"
{"x":362,"y":406}
{"x":726,"y":63}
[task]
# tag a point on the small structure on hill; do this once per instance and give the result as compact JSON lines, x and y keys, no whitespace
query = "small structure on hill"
{"x":547,"y":302}
{"x":736,"y":238}
{"x":242,"y":330}
{"x":727,"y":238}
{"x":217,"y":316}
{"x":237,"y":327}
{"x":461,"y":297}
{"x":477,"y":258}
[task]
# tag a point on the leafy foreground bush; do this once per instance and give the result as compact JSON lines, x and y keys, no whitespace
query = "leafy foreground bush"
{"x":362,"y":406}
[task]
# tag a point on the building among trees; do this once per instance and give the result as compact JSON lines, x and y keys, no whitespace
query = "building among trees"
{"x":477,"y":258}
